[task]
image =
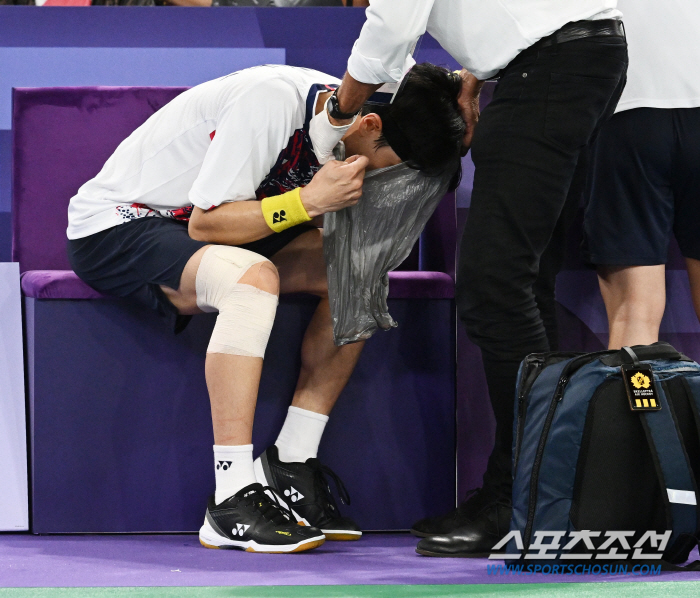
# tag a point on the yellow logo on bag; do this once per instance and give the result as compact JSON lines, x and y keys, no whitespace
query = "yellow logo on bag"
{"x":639,"y":380}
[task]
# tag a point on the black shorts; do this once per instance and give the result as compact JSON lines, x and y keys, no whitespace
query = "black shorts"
{"x":644,"y":185}
{"x":133,"y":259}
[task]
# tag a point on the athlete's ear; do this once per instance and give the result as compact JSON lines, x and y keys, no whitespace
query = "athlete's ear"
{"x":371,"y":124}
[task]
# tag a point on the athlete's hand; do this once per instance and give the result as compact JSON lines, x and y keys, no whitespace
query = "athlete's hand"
{"x":336,"y":186}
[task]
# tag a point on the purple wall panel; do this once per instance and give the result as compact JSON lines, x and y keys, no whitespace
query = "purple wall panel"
{"x":61,"y":139}
{"x":125,"y":27}
{"x":121,"y":425}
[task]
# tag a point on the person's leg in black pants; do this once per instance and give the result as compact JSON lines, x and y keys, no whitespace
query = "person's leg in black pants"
{"x":527,"y":149}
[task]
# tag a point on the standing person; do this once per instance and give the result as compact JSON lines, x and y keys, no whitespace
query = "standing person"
{"x":561,"y":67}
{"x":644,"y":182}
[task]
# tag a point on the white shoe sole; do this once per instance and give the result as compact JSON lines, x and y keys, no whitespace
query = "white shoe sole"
{"x":210,"y":539}
{"x":330,"y":534}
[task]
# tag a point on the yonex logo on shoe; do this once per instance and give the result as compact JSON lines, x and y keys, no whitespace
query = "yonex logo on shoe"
{"x":293,"y":494}
{"x":241,"y":529}
{"x":224,"y":465}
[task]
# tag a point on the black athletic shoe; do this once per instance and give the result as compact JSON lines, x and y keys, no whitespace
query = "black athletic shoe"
{"x":303,"y":488}
{"x":253,"y":521}
{"x":475,"y":500}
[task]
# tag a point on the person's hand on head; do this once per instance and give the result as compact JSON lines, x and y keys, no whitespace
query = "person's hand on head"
{"x":468,"y":101}
{"x":336,"y":186}
{"x":325,"y":134}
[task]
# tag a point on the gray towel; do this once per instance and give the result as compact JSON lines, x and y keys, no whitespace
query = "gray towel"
{"x":363,"y":243}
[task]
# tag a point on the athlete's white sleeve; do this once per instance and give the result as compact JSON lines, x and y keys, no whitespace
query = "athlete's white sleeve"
{"x":382,"y":53}
{"x":250,"y":133}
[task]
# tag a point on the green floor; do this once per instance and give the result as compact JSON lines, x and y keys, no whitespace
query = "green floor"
{"x":673,"y":589}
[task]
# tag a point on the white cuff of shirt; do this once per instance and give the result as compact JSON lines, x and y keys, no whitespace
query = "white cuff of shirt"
{"x":371,"y":70}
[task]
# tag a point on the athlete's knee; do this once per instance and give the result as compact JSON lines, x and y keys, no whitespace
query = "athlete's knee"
{"x":263,"y":276}
{"x":243,"y":299}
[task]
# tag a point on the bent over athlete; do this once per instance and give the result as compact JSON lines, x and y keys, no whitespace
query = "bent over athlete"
{"x":206,"y":208}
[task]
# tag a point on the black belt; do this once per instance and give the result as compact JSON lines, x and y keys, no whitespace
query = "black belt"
{"x":581,"y":29}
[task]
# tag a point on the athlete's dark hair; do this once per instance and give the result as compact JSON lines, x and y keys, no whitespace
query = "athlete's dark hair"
{"x":424,"y":125}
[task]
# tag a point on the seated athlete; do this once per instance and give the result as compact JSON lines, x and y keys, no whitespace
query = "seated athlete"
{"x":206,"y":208}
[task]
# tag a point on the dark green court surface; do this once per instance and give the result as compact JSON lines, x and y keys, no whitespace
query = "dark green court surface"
{"x":673,"y":589}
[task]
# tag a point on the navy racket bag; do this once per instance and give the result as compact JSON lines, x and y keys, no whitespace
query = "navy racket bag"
{"x":606,"y":456}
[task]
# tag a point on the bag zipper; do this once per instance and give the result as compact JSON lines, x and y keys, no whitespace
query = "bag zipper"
{"x":671,"y":373}
{"x":569,"y":370}
{"x":534,"y":476}
{"x":533,"y":364}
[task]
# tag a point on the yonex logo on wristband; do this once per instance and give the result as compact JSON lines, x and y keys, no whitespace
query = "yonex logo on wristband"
{"x":282,"y":211}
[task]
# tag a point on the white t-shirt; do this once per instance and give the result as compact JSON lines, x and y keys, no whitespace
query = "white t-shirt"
{"x":236,"y":138}
{"x":664,"y":51}
{"x":482,"y":35}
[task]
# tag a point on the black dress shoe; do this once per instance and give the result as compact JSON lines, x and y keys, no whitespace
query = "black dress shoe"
{"x":473,"y":503}
{"x":476,"y":538}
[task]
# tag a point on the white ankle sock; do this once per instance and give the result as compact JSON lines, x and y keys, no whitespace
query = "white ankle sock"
{"x":233,"y":469}
{"x":300,"y":435}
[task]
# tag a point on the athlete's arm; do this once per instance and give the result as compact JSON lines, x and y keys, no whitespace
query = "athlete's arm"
{"x":336,"y":186}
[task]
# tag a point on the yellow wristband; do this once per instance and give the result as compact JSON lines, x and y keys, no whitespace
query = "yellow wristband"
{"x":284,"y":211}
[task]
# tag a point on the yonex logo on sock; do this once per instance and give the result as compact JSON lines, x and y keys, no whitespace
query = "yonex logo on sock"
{"x":293,"y":494}
{"x":241,"y":529}
{"x":223,"y":465}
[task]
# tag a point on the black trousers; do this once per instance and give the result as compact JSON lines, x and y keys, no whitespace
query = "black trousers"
{"x":529,"y":152}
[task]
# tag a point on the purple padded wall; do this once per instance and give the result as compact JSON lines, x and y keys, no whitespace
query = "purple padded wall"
{"x":51,"y":162}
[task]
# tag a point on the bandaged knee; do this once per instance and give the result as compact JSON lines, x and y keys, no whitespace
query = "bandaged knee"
{"x":246,"y":313}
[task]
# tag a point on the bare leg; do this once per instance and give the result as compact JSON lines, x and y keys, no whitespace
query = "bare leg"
{"x":635,"y":299}
{"x":325,"y":368}
{"x":232,"y":380}
{"x":694,"y":275}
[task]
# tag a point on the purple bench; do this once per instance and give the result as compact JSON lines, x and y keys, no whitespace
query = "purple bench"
{"x":120,"y":431}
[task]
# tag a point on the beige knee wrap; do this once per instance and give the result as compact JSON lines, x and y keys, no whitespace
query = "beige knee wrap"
{"x":246,"y":313}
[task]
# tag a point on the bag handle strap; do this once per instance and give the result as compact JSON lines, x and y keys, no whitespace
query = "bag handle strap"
{"x":632,"y":354}
{"x":658,"y":350}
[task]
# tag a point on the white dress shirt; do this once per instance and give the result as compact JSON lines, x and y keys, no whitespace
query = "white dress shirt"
{"x":664,"y":51}
{"x":482,"y":35}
